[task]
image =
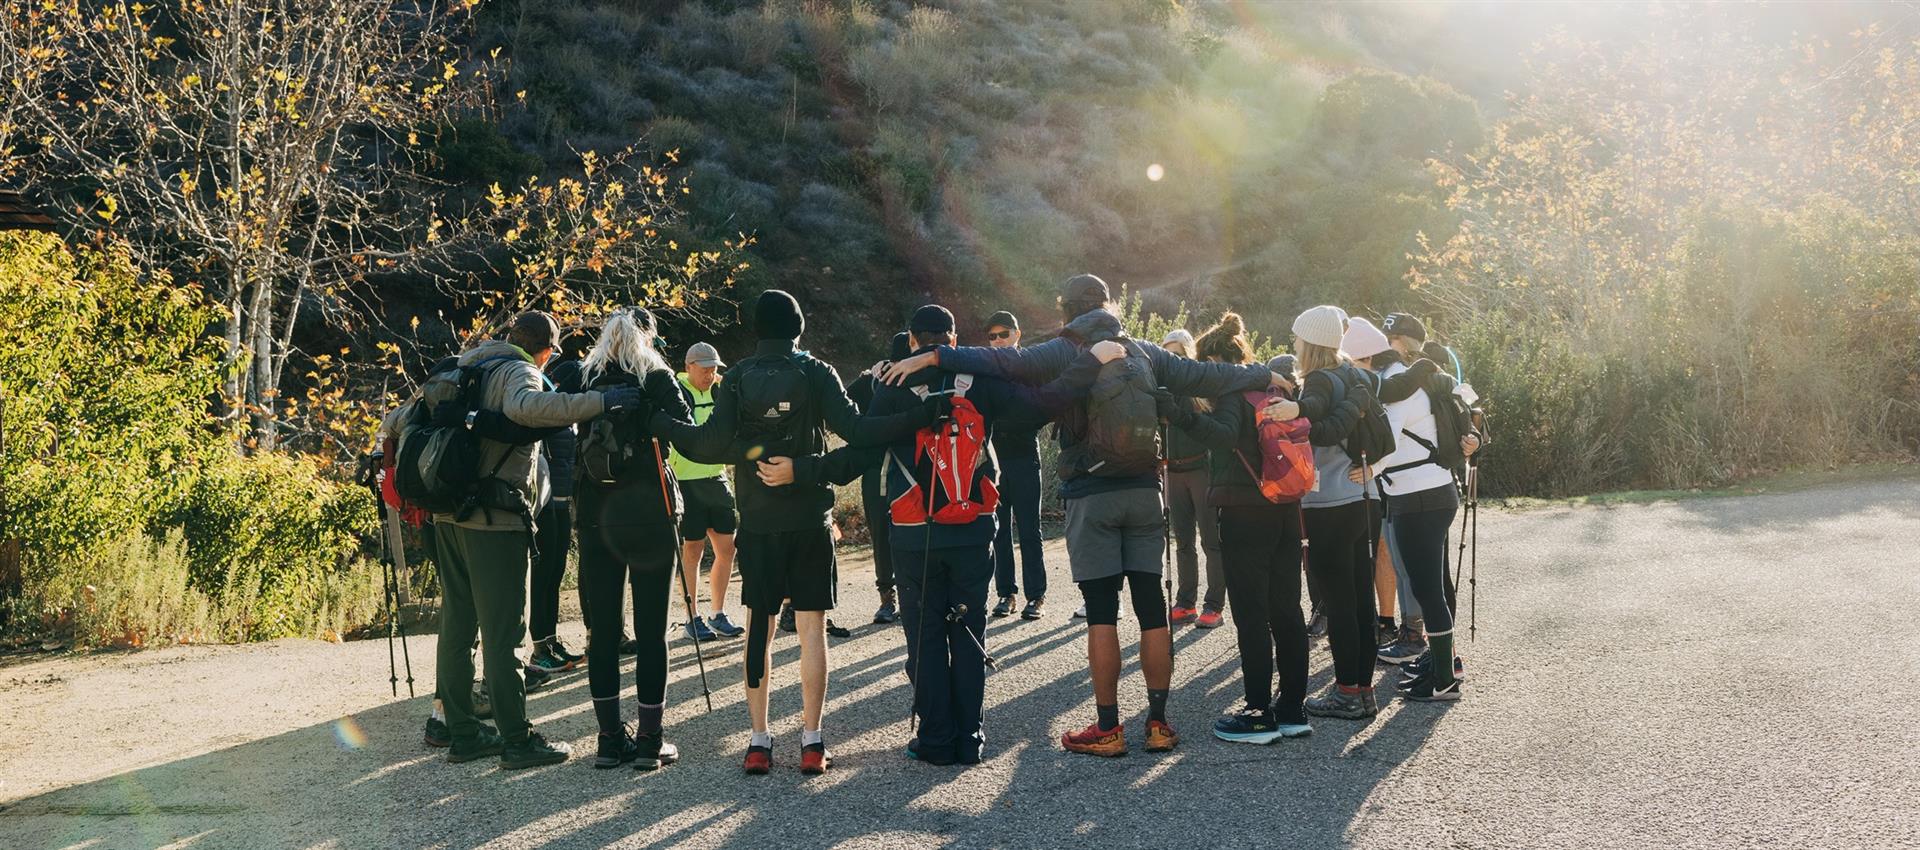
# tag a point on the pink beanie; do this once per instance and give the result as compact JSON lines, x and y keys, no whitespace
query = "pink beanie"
{"x":1362,"y":339}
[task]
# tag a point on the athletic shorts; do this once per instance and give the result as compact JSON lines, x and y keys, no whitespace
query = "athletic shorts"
{"x":1114,"y":532}
{"x":709,"y":507}
{"x":797,"y":565}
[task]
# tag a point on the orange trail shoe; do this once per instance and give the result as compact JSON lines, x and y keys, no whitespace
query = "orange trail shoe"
{"x":1182,"y":615}
{"x":1095,"y":742}
{"x":759,"y":760}
{"x":1160,"y":737}
{"x":814,"y":759}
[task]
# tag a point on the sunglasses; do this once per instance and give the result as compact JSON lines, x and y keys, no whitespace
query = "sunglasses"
{"x":1000,"y":335}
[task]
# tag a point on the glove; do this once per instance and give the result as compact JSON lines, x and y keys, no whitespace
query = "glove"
{"x":621,"y":398}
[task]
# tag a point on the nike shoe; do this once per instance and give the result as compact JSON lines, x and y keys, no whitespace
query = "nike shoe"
{"x":723,"y":626}
{"x":1425,"y":690}
{"x":1415,"y":670}
{"x":1004,"y":608}
{"x":1094,"y":741}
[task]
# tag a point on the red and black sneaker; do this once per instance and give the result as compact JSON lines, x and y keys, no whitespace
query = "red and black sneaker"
{"x":759,"y":761}
{"x":814,"y":759}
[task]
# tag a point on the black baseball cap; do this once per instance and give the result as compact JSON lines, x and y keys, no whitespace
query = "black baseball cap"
{"x":1003,"y":319}
{"x":1403,"y":324}
{"x":931,"y":319}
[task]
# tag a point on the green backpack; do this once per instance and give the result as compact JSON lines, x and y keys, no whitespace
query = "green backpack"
{"x":438,"y":467}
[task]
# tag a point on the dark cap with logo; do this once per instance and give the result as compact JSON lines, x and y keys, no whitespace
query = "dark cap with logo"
{"x":1403,"y":324}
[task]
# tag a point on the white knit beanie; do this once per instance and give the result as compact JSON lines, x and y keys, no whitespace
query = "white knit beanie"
{"x":1180,"y":335}
{"x":1322,"y":326}
{"x":1363,"y":340}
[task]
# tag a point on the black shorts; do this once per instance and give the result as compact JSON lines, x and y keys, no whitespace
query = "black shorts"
{"x":709,"y":507}
{"x":797,"y":565}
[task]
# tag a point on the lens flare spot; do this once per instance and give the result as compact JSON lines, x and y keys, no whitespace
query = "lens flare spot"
{"x":1155,"y":172}
{"x":347,"y":731}
{"x":754,"y":452}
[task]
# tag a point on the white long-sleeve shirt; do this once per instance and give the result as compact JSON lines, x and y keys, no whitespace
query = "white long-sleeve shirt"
{"x":1413,"y":414}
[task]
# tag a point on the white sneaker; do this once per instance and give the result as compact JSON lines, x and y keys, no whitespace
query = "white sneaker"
{"x":1080,"y":613}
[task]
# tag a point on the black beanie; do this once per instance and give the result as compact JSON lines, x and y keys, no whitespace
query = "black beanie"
{"x":1083,"y":293}
{"x":931,"y":319}
{"x":901,"y":347}
{"x":777,"y":316}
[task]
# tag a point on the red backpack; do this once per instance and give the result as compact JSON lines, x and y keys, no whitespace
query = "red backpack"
{"x":1286,"y":470}
{"x":949,"y":453}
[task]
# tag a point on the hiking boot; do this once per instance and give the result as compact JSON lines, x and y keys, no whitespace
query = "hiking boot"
{"x":814,"y":759}
{"x":889,"y":609}
{"x":1249,"y":725}
{"x":533,"y":752}
{"x":629,"y":646}
{"x":1344,"y":702}
{"x":1080,"y":613}
{"x":652,"y":752}
{"x":441,"y":737}
{"x":1317,"y":624}
{"x":560,"y":649}
{"x":1094,"y":742}
{"x":1406,"y":646}
{"x":834,"y":630}
{"x":482,"y":702}
{"x":615,"y":750}
{"x":478,"y":747}
{"x":723,"y":626}
{"x":1036,"y":608}
{"x":937,"y":759}
{"x":537,"y":679}
{"x":1182,"y":615}
{"x":696,"y":629}
{"x":1210,"y":618}
{"x":1160,"y":737}
{"x":786,"y":620}
{"x":547,"y":661}
{"x":1004,"y":608}
{"x":759,"y":760}
{"x":1424,"y":690}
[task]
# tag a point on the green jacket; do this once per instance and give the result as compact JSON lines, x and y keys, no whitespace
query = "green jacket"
{"x":702,"y":406}
{"x":518,"y":390}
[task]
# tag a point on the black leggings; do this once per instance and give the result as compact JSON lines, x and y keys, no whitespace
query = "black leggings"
{"x":610,"y":558}
{"x":549,"y":569}
{"x":1422,"y":538}
{"x":1260,"y":547}
{"x":1103,"y":600}
{"x":1343,"y":578}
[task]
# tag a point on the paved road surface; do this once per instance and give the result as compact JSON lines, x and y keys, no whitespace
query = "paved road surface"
{"x":1725,"y":672}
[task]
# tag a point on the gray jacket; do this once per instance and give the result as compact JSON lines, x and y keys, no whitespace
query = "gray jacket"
{"x":518,"y":390}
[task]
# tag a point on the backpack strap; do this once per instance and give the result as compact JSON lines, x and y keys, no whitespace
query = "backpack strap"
{"x":962,"y":383}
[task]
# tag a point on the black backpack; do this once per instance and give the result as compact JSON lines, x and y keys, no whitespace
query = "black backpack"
{"x":776,"y":403}
{"x":607,"y":451}
{"x":1372,"y":437}
{"x":1122,"y":438}
{"x":1452,"y":419}
{"x":438,"y":467}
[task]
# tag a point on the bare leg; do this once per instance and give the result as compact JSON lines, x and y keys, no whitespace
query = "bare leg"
{"x":757,"y":697}
{"x":690,"y":552}
{"x":1383,"y":579}
{"x":722,"y":571}
{"x":813,"y":666}
{"x":1156,"y":658}
{"x":1103,"y":660}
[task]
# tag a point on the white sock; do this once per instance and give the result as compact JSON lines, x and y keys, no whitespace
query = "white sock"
{"x":809,"y":737}
{"x":439,"y":711}
{"x":761,"y":739}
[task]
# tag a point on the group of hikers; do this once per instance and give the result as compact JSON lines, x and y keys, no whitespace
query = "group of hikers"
{"x":1341,"y":462}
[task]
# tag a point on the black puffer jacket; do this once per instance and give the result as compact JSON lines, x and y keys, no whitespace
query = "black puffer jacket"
{"x":637,"y":499}
{"x":568,"y":377}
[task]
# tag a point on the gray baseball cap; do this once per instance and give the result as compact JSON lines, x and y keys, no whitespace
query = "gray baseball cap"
{"x":702,"y":354}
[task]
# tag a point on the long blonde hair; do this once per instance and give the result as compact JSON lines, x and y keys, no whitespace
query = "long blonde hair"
{"x":1313,"y":358}
{"x":627,"y":340}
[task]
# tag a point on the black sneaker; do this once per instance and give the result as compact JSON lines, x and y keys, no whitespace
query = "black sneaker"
{"x":1036,"y":608}
{"x":1004,"y":608}
{"x":615,"y":750}
{"x":1247,"y":726}
{"x":441,"y":737}
{"x":1415,"y":670}
{"x":1425,"y":690}
{"x":786,"y":620}
{"x":1344,"y":704}
{"x":629,"y":646}
{"x":889,"y":609}
{"x":654,"y":752}
{"x":937,"y":759}
{"x":547,"y":661}
{"x":537,"y":679}
{"x":560,"y":649}
{"x":480,"y":746}
{"x":1292,"y":721}
{"x":1317,"y":624}
{"x":837,"y":631}
{"x":533,"y":752}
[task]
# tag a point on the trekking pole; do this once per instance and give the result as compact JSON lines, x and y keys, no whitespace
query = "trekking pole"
{"x":1473,"y":572}
{"x":680,"y":566}
{"x":1460,"y":557}
{"x":370,"y":478}
{"x":954,"y":615}
{"x":1166,"y":541}
{"x":396,"y":559}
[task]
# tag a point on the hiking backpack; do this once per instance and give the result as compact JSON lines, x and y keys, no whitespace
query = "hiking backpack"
{"x":1452,"y":419}
{"x":776,"y":403}
{"x":949,"y":454}
{"x":1286,"y":471}
{"x":606,"y":452}
{"x":1122,"y":438}
{"x":437,"y":464}
{"x":1372,"y":436}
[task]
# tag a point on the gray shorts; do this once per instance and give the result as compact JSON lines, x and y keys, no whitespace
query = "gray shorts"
{"x":1114,"y":532}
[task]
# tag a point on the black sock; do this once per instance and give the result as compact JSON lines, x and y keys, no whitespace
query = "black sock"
{"x":650,"y":718}
{"x":607,"y":711}
{"x":1109,"y":716}
{"x":1156,"y":705}
{"x":1386,"y":622}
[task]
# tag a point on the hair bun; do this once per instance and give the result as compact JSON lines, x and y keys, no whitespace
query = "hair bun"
{"x":1231,"y":323}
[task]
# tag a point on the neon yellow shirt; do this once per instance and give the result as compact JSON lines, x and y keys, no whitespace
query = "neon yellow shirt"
{"x":702,"y":404}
